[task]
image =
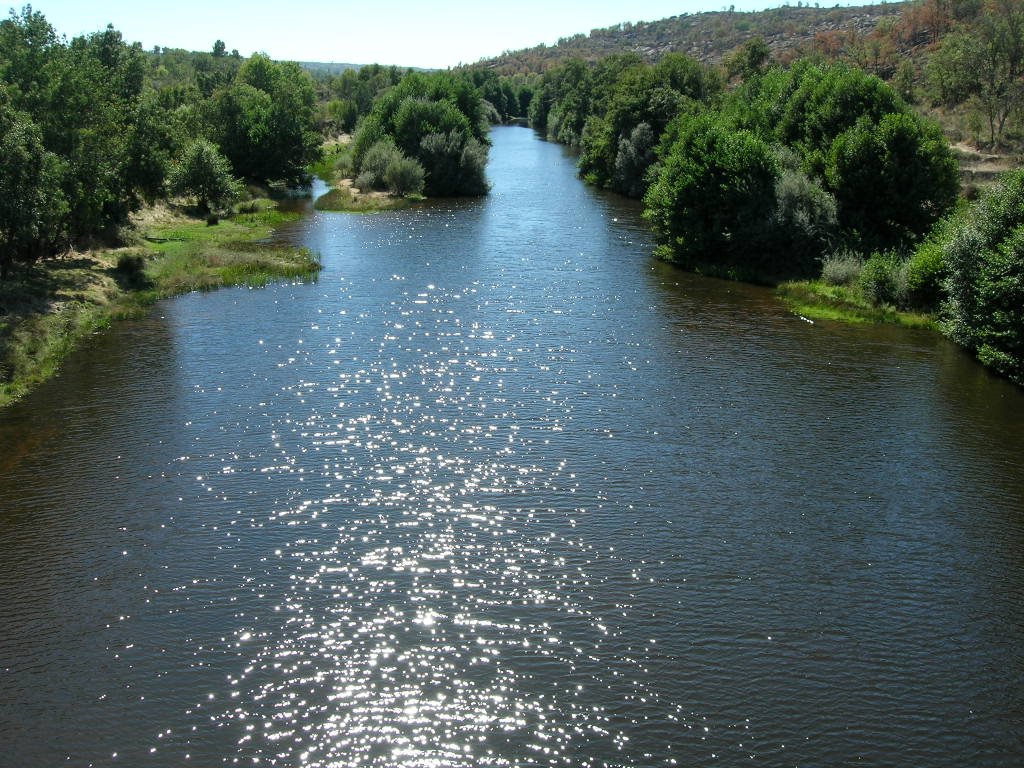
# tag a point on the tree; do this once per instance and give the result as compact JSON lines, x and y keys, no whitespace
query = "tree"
{"x":454,"y":164}
{"x":27,"y":43}
{"x":436,"y":120}
{"x":749,"y":59}
{"x":31,"y":203}
{"x":709,"y":201}
{"x":984,"y":257}
{"x":983,"y":64}
{"x":892,"y":179}
{"x":265,"y":122}
{"x":205,"y":173}
{"x":635,"y":156}
{"x":404,"y":176}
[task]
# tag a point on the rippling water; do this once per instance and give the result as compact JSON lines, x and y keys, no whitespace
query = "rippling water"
{"x":497,"y":490}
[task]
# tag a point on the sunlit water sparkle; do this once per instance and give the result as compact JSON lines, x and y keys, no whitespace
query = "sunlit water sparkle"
{"x":498,"y":491}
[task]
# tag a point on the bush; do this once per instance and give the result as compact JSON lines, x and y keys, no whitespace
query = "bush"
{"x":131,"y":263}
{"x":713,"y":194}
{"x":803,"y":225}
{"x":883,"y":279}
{"x":404,"y":176}
{"x":984,"y":258}
{"x":375,"y":163}
{"x":635,"y":156}
{"x":131,"y":270}
{"x":926,"y":272}
{"x":454,"y":164}
{"x":365,"y":182}
{"x":892,"y":179}
{"x":842,"y":268}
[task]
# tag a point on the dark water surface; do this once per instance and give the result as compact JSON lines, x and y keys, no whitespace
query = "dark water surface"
{"x":498,"y":490}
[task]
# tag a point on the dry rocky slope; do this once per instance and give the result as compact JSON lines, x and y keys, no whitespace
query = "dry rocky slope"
{"x":788,"y":31}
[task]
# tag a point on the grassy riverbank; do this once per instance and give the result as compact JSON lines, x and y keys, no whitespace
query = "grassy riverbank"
{"x":346,"y":199}
{"x":335,"y":168}
{"x":819,"y":300}
{"x":47,"y":308}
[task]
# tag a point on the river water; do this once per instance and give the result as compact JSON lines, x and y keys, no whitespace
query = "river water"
{"x":499,"y":490}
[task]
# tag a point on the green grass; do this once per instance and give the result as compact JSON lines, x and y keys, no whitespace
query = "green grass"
{"x":819,"y":300}
{"x":335,"y":164}
{"x":47,"y":308}
{"x":342,"y":199}
{"x":195,"y":257}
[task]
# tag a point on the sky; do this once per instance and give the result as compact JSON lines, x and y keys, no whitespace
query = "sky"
{"x":408,"y":33}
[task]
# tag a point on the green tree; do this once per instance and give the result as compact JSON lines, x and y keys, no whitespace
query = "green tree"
{"x":31,"y":203}
{"x":984,"y":258}
{"x":27,"y":43}
{"x":749,"y":60}
{"x":709,"y":201}
{"x":265,"y":122}
{"x":204,"y":173}
{"x":454,"y":164}
{"x":892,"y":179}
{"x":983,"y":64}
{"x":436,"y":120}
{"x":404,"y":176}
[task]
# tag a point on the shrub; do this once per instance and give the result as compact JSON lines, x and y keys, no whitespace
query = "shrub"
{"x":365,"y":182}
{"x":404,"y":176}
{"x":883,"y":279}
{"x":131,"y":263}
{"x":842,"y":268}
{"x":803,"y":225}
{"x":131,"y":270}
{"x":375,"y":163}
{"x":984,"y":258}
{"x":635,"y":156}
{"x":892,"y":179}
{"x":713,"y":192}
{"x":454,"y":164}
{"x":926,"y":272}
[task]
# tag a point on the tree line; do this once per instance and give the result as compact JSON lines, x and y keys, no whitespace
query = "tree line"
{"x":92,"y":128}
{"x":813,"y":170}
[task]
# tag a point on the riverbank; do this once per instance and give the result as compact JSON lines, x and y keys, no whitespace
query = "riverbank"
{"x":335,"y":169}
{"x":819,"y":300}
{"x":346,"y":198}
{"x":48,"y":308}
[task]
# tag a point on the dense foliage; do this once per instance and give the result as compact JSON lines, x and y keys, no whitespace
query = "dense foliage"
{"x":206,"y":174}
{"x":864,"y":173}
{"x":437,"y":121}
{"x":345,"y":97}
{"x":984,"y":260}
{"x":616,"y":110}
{"x":762,"y":180}
{"x":91,"y":128}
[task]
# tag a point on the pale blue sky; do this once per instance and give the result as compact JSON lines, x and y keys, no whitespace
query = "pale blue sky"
{"x":421,"y":34}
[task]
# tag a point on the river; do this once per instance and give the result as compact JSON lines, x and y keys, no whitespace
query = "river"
{"x":498,"y":489}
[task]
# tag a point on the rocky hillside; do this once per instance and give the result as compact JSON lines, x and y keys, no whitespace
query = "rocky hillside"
{"x":788,"y":31}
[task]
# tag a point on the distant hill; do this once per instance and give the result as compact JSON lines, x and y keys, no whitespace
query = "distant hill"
{"x":335,"y":68}
{"x":324,"y":68}
{"x":706,"y":36}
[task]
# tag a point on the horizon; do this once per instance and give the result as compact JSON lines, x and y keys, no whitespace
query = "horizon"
{"x":408,"y":34}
